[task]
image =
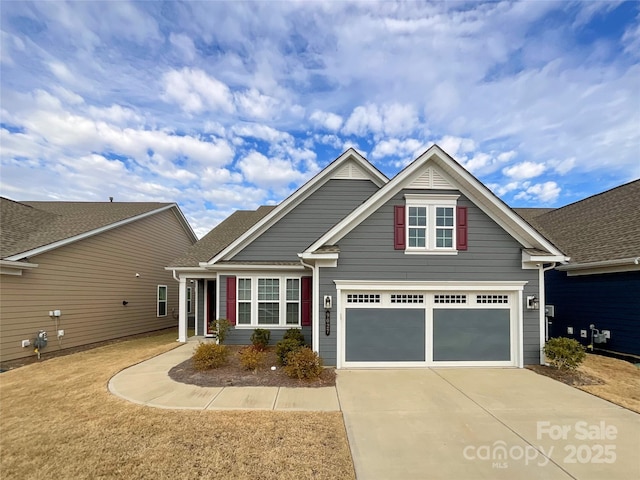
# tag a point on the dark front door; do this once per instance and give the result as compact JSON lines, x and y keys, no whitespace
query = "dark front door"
{"x":211,"y":305}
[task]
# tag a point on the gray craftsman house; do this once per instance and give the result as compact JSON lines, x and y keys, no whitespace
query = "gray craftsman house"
{"x":426,"y":269}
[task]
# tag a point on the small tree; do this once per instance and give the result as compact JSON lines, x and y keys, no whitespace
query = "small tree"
{"x":260,"y":338}
{"x":221,"y":326}
{"x":564,"y":353}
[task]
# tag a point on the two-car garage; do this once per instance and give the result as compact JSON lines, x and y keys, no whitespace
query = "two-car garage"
{"x":405,"y":325}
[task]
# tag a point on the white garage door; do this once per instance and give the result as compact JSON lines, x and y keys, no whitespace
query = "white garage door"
{"x":398,"y":328}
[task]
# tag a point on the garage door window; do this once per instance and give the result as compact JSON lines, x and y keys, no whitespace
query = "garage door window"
{"x":363,"y":298}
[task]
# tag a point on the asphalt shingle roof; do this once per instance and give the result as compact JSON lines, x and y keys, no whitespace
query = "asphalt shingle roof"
{"x":27,"y":225}
{"x":221,"y":237}
{"x":602,"y":227}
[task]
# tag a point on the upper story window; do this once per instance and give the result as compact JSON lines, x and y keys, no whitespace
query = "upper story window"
{"x":430,"y":223}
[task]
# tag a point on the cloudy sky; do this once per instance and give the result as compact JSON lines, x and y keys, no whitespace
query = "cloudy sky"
{"x":222,"y":106}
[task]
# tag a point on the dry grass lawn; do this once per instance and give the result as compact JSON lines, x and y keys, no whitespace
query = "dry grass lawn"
{"x":57,"y":420}
{"x":621,"y":380}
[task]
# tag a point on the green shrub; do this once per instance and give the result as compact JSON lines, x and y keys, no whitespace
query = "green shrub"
{"x":564,"y":353}
{"x":260,"y":338}
{"x":303,"y":363}
{"x":285,"y":346}
{"x":294,"y":334}
{"x":209,"y":355}
{"x":251,"y":358}
{"x":221,"y":326}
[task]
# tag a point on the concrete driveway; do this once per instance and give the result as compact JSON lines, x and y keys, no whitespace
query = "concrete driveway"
{"x":483,"y":423}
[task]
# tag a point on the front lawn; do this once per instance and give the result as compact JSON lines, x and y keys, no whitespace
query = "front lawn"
{"x":58,"y":420}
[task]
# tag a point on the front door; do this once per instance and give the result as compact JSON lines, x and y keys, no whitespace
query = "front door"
{"x":211,"y":307}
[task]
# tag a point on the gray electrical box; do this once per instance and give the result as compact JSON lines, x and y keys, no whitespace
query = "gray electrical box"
{"x":550,"y":311}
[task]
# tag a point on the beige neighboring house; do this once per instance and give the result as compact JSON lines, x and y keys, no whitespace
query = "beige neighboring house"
{"x":85,"y":272}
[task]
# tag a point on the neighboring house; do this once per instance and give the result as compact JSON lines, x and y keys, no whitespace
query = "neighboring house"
{"x":429,"y":268}
{"x":92,"y":271}
{"x":600,"y":285}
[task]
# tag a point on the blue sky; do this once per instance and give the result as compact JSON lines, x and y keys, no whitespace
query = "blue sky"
{"x":222,"y":106}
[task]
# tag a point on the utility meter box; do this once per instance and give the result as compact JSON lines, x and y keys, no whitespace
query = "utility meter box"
{"x":550,"y":311}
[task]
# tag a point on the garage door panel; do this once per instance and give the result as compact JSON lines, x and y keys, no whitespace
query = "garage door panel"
{"x":471,"y":335}
{"x":384,"y":335}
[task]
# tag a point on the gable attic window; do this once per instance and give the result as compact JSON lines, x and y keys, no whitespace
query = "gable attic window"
{"x":430,"y":224}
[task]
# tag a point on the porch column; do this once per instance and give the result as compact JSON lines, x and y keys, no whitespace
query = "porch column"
{"x":182,"y":312}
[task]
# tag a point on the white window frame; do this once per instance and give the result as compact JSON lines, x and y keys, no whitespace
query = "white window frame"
{"x":165,"y":301}
{"x":282,"y":301}
{"x":431,"y":203}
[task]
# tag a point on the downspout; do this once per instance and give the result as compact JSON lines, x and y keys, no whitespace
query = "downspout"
{"x":544,"y":332}
{"x":315,"y":323}
{"x":174,"y":275}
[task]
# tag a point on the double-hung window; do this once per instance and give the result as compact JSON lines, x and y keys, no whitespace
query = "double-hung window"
{"x":431,"y":223}
{"x":162,"y":301}
{"x":269,"y":301}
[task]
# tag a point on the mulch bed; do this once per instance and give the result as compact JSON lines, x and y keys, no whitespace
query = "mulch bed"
{"x":234,"y":375}
{"x":574,"y":378}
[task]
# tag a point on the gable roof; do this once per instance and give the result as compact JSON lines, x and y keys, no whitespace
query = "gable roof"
{"x":603,"y":227}
{"x":220,"y":237}
{"x":30,"y":228}
{"x":452,"y":172}
{"x":348,"y":165}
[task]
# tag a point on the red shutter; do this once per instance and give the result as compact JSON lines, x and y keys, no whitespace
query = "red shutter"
{"x":461,"y":230}
{"x":399,"y":233}
{"x":231,"y":300}
{"x":306,"y":302}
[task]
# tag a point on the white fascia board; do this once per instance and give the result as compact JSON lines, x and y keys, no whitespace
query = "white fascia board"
{"x":319,"y":256}
{"x":605,"y":266}
{"x":444,"y":286}
{"x":296,"y":198}
{"x":9,"y":267}
{"x":244,"y":267}
{"x":472,"y":188}
{"x":528,"y":258}
{"x":90,"y":233}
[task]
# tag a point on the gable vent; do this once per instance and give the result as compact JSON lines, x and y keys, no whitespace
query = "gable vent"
{"x":431,"y":179}
{"x":350,"y":171}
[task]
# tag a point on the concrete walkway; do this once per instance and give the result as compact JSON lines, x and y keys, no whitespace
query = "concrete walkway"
{"x":148,"y":383}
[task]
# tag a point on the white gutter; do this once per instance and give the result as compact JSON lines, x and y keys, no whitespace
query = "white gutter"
{"x":315,"y":292}
{"x":601,"y":263}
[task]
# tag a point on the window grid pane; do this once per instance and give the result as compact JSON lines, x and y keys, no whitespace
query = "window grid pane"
{"x":293,"y":314}
{"x":162,"y":294}
{"x":293,"y":290}
{"x":444,"y":217}
{"x":418,"y":216}
{"x":268,"y":313}
{"x":444,"y":238}
{"x":268,"y":289}
{"x":417,"y":237}
{"x":244,"y":289}
{"x":244,"y":313}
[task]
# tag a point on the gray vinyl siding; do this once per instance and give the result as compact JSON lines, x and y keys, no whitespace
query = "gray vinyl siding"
{"x":367,"y":253}
{"x":88,"y":280}
{"x":236,"y":336}
{"x":308,"y":221}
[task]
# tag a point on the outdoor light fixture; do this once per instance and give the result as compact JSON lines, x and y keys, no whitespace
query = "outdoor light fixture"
{"x":124,"y":302}
{"x":532,"y":302}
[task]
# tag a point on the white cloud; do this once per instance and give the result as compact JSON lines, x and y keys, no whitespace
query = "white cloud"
{"x":390,"y":119}
{"x":524,"y":170}
{"x":546,"y":192}
{"x":327,"y":120}
{"x":254,"y":104}
{"x":194,"y":91}
{"x":271,"y":173}
{"x":261,"y":132}
{"x":184,"y":46}
{"x":398,"y":148}
{"x":456,"y":146}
